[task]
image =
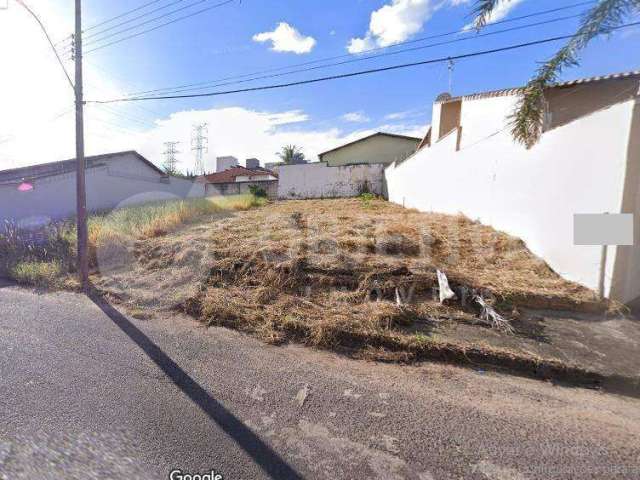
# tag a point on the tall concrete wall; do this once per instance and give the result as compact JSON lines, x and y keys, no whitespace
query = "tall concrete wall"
{"x":317,"y":180}
{"x":577,"y":167}
{"x":118,"y":183}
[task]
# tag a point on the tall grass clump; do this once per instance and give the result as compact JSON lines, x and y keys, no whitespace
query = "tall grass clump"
{"x":158,"y":218}
{"x":53,"y":252}
{"x":38,"y":273}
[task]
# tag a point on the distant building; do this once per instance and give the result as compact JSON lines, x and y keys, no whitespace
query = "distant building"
{"x":36,"y":195}
{"x":224,"y":163}
{"x":380,"y":147}
{"x":252,"y":163}
{"x":273,"y":166}
{"x":239,"y":180}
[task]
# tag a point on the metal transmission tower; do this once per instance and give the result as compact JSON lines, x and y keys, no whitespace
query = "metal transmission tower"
{"x":200,"y":145}
{"x":170,"y":154}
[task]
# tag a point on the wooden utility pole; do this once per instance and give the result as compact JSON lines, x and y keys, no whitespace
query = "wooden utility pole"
{"x":81,"y":194}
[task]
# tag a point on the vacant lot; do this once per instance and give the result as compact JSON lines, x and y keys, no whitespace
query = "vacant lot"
{"x":356,"y":275}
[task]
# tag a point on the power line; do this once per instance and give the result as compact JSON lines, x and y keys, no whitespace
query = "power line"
{"x":121,"y":80}
{"x":373,"y":57}
{"x":184,"y":17}
{"x":358,"y":73}
{"x":109,"y":20}
{"x":337,"y":57}
{"x":100,"y":32}
{"x":66,"y":39}
{"x":46,"y":34}
{"x":129,"y":117}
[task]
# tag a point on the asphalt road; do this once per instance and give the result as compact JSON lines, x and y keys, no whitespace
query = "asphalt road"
{"x":86,"y":392}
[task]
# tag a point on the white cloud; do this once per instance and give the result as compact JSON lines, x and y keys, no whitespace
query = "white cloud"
{"x":34,"y":93}
{"x":394,"y":23}
{"x":355,"y":117}
{"x":401,"y":19}
{"x":396,"y":116}
{"x":286,"y":38}
{"x":36,"y":118}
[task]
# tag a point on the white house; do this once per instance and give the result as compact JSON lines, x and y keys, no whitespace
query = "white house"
{"x":587,"y":161}
{"x":35,"y":195}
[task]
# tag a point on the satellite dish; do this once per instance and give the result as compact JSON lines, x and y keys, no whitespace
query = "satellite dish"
{"x":443,"y":97}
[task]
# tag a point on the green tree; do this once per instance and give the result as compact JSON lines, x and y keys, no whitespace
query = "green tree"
{"x":527,"y":119}
{"x":291,"y":154}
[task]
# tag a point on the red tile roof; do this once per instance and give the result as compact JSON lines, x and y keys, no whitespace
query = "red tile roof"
{"x":230,"y":174}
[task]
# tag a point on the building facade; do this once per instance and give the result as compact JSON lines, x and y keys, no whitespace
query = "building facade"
{"x":380,"y":147}
{"x":33,"y":196}
{"x":224,"y":163}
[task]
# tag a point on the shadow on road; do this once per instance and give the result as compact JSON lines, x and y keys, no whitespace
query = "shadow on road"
{"x":5,"y":282}
{"x":261,"y":453}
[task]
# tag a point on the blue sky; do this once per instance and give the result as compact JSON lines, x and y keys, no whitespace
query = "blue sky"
{"x":222,"y":43}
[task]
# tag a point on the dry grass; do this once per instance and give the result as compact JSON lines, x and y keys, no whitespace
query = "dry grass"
{"x":326,"y":273}
{"x":155,"y":219}
{"x":51,"y":259}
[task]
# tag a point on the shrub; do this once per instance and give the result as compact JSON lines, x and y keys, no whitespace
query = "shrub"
{"x":36,"y":273}
{"x":258,"y":191}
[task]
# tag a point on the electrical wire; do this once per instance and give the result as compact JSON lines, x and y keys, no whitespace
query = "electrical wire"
{"x":349,"y":55}
{"x":46,"y":34}
{"x":184,"y":17}
{"x":100,"y":32}
{"x":137,"y":9}
{"x":359,"y":73}
{"x":373,"y":57}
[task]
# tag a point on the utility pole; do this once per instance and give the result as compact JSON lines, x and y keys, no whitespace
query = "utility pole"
{"x":200,"y":144}
{"x":81,"y":194}
{"x":170,"y":153}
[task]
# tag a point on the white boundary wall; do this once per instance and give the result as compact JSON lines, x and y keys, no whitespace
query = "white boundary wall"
{"x":317,"y":180}
{"x":532,"y":194}
{"x":119,"y":183}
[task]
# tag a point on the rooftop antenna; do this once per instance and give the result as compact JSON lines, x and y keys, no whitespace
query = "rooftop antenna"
{"x":450,"y":68}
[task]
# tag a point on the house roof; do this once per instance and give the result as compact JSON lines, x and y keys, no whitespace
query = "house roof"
{"x":512,"y":91}
{"x":230,"y":174}
{"x":50,"y":169}
{"x":393,"y":135}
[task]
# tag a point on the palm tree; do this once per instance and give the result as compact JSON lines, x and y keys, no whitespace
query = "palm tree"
{"x":291,"y":154}
{"x":527,"y":119}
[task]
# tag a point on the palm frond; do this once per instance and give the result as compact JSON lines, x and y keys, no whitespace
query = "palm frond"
{"x":483,"y":10}
{"x":527,"y":120}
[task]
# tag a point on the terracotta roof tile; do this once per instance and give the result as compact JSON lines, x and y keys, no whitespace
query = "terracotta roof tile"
{"x":230,"y":174}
